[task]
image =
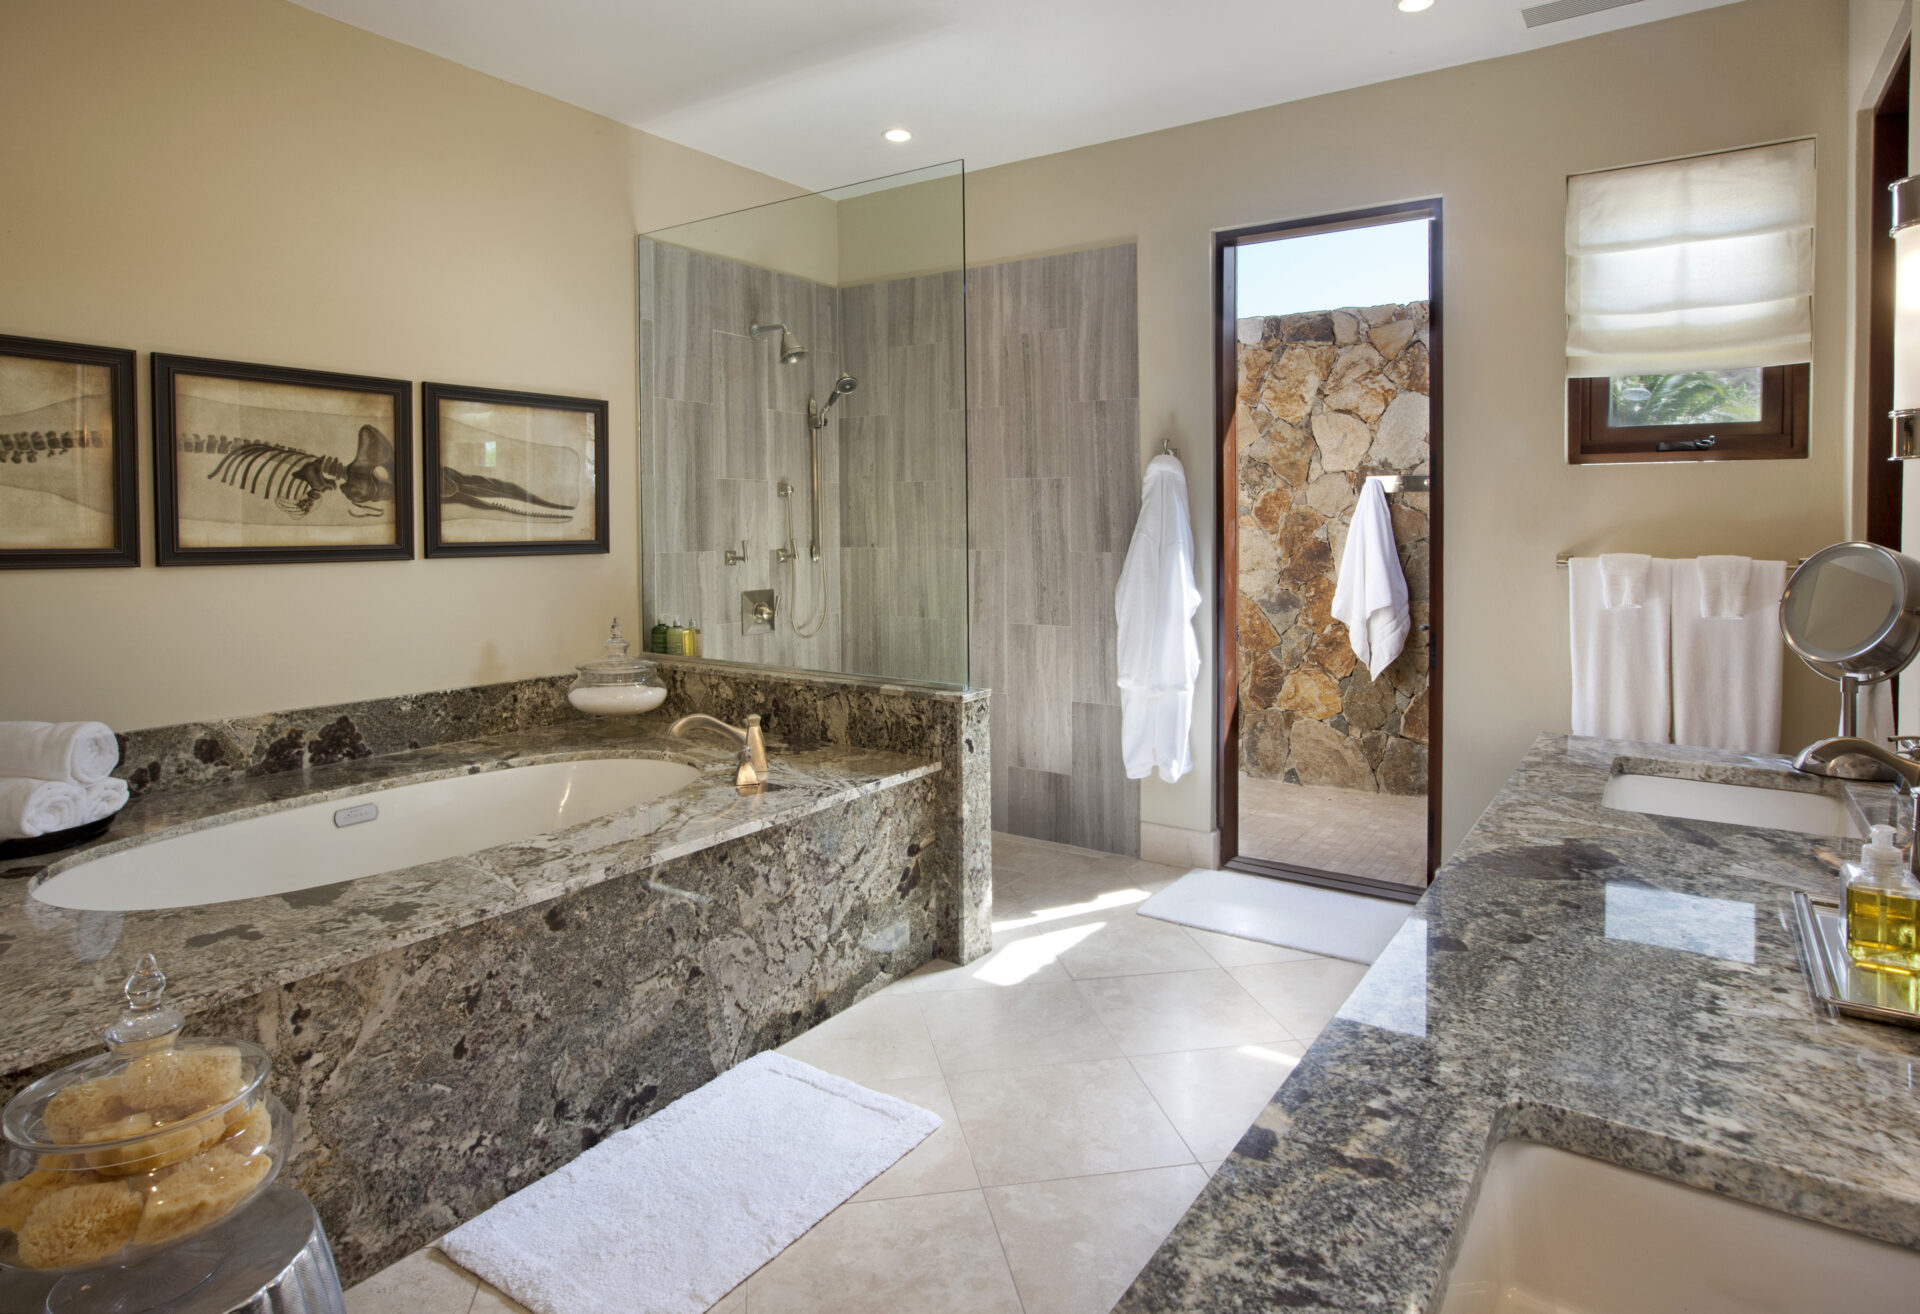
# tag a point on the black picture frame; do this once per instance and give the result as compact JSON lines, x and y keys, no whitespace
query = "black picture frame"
{"x":436,"y":486}
{"x":168,"y":370}
{"x":125,"y":515}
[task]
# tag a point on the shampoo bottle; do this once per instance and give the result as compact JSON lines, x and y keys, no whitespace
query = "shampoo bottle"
{"x":657,"y":637}
{"x":1883,"y":907}
{"x":676,"y":638}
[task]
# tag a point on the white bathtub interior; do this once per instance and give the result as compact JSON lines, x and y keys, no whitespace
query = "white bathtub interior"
{"x":324,"y":843}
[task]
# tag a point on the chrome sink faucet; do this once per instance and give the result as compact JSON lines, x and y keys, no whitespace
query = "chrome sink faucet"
{"x":1818,"y":759}
{"x":753,"y":746}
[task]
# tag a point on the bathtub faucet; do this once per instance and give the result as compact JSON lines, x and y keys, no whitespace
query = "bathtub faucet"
{"x":753,"y":747}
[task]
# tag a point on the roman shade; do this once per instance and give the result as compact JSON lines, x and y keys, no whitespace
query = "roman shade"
{"x":1696,"y":264}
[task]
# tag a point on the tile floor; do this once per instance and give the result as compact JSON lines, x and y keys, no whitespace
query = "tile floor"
{"x":1381,"y":836}
{"x":1089,"y":1073}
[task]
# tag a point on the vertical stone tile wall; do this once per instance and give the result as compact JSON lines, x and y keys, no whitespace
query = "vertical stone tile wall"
{"x":902,"y":440}
{"x":1054,"y":488}
{"x":722,"y":423}
{"x":1327,"y":399}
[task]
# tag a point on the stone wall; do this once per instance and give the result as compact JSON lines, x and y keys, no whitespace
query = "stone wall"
{"x":1326,"y":399}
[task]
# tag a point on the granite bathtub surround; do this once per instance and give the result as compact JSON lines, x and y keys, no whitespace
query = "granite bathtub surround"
{"x":1611,"y":983}
{"x":447,"y":1033}
{"x":1326,"y":399}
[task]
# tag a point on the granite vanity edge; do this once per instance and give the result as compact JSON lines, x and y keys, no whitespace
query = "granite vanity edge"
{"x":1276,"y":1221}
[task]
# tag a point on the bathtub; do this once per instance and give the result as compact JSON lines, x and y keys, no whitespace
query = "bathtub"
{"x":346,"y":838}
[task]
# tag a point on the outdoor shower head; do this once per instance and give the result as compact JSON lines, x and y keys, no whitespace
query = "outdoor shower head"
{"x":791,"y":352}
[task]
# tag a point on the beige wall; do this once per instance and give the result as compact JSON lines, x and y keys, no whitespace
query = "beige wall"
{"x":1496,"y":140}
{"x":245,"y":179}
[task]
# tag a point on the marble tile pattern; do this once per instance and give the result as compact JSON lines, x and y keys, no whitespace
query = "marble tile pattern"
{"x":1505,"y":1009}
{"x":1053,"y":470}
{"x":446,"y":1033}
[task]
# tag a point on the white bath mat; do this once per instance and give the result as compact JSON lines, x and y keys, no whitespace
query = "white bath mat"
{"x":671,"y":1215}
{"x":1329,"y":922}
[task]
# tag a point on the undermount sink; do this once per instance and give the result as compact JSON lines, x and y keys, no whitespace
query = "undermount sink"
{"x":1738,"y":805}
{"x":1558,"y":1233}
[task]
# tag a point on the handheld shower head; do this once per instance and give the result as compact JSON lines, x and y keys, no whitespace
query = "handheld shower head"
{"x":817,"y":411}
{"x":791,"y":352}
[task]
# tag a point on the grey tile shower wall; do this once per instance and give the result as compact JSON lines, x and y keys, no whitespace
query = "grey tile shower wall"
{"x":722,"y":423}
{"x":903,"y":450}
{"x":1053,"y":470}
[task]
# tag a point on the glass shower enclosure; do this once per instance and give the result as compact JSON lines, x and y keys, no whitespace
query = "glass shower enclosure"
{"x":803,"y":430}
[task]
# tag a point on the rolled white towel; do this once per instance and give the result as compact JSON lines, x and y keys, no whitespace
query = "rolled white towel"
{"x":77,"y":751}
{"x":39,"y":807}
{"x":104,"y":798}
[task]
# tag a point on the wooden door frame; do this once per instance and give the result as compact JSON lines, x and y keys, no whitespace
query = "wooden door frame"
{"x":1226,"y":573}
{"x":1888,"y":164}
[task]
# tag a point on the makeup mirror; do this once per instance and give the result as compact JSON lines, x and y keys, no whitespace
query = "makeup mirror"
{"x":1852,"y":613}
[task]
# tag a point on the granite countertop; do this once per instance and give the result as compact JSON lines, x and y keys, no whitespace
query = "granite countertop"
{"x":60,"y":971}
{"x":1616,"y":984}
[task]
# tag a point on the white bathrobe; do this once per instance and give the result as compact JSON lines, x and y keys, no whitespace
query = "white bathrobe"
{"x":1159,"y":653}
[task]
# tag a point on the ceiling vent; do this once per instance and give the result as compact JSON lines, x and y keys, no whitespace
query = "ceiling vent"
{"x":1558,"y":11}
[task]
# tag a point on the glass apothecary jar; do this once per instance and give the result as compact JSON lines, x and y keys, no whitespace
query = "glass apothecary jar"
{"x":122,"y":1155}
{"x":618,"y":684}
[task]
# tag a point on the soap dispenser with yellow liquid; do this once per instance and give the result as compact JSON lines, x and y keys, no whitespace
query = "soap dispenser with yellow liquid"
{"x":1883,"y":907}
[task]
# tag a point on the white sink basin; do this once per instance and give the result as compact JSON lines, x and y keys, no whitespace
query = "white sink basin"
{"x":1557,"y":1233}
{"x":1739,"y":805}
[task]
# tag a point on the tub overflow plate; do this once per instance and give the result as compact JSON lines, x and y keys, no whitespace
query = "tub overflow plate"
{"x":356,"y":815}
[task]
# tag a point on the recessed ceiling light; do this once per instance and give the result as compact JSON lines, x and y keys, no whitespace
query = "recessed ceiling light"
{"x":1414,"y":6}
{"x":901,"y":134}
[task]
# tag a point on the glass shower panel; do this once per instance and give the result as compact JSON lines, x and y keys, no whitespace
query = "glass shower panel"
{"x":803,"y":430}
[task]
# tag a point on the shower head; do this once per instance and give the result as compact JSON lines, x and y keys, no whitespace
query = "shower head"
{"x":817,"y":411}
{"x":791,"y":352}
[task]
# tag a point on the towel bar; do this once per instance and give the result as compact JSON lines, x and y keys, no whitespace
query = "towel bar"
{"x":1560,"y":561}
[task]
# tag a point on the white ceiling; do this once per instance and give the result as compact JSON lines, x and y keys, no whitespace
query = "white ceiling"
{"x":803,"y":91}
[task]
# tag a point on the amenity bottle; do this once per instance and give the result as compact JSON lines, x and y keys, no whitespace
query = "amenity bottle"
{"x":1883,"y":908}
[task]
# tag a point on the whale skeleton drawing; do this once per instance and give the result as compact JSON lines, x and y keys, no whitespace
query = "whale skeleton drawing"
{"x":486,"y":493}
{"x":295,"y":480}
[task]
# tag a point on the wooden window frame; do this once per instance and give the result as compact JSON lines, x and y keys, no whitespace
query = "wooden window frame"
{"x":1779,"y":434}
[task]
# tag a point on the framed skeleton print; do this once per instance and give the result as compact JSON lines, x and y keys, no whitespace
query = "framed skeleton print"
{"x":513,"y":473}
{"x":253,"y":463}
{"x":67,"y":458}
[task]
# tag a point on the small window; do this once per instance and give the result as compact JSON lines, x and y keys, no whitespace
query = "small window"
{"x":1690,"y":308}
{"x":1698,"y":415}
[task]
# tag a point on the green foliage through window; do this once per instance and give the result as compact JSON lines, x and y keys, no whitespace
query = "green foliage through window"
{"x":1696,"y":397}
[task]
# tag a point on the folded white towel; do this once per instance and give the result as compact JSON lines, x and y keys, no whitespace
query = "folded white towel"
{"x":1623,"y":579}
{"x":29,"y":808}
{"x":1726,"y":669}
{"x":1724,"y":584}
{"x":77,"y":751}
{"x":104,"y":798}
{"x":1370,"y":597}
{"x":1622,"y":676}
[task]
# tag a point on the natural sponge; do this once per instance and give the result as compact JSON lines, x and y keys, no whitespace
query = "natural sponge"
{"x":179,"y":1083}
{"x":197,"y":1193}
{"x":162,"y":1146}
{"x":77,"y":1113}
{"x":17,"y":1198}
{"x":251,"y":1131}
{"x":79,"y":1225}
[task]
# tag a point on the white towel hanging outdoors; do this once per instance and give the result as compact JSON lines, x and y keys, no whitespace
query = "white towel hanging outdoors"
{"x":1159,"y":656}
{"x":1370,"y":597}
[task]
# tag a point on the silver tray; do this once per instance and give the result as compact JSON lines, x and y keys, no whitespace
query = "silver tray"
{"x":1837,"y":983}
